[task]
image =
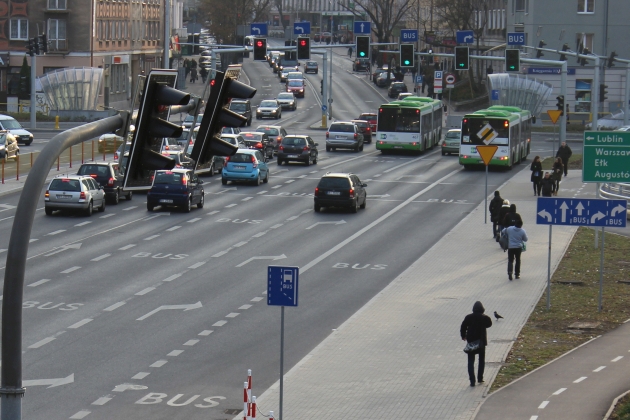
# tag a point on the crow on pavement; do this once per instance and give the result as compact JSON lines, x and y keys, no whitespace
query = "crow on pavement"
{"x":497,"y":316}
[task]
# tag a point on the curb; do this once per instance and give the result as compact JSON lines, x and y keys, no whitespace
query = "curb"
{"x":614,"y":404}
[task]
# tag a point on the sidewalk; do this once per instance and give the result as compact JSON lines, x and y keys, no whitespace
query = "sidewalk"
{"x":400,"y":356}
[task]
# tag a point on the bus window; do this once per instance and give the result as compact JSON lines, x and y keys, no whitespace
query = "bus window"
{"x":387,"y":119}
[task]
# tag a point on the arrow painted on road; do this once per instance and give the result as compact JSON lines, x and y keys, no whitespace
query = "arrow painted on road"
{"x":378,"y":196}
{"x":50,"y":382}
{"x":616,"y":210}
{"x":546,"y":215}
{"x":279,"y":257}
{"x":579,"y":208}
{"x":63,"y":248}
{"x":340,"y":222}
{"x":564,"y":207}
{"x":597,"y":216}
{"x":163,"y":307}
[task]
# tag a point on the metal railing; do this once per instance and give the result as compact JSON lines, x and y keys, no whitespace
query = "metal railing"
{"x":615,"y":191}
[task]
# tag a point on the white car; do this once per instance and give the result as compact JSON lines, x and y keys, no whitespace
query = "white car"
{"x":287,"y":100}
{"x":10,"y":124}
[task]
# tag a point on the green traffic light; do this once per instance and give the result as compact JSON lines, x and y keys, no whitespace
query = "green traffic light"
{"x":362,"y":54}
{"x":407,"y":62}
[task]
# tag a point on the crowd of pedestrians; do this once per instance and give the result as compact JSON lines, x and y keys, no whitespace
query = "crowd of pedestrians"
{"x":547,"y":184}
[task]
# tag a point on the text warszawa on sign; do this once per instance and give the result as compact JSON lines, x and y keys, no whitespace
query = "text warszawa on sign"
{"x":606,"y":156}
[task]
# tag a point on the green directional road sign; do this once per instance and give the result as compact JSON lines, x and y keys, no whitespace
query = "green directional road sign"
{"x":606,"y":156}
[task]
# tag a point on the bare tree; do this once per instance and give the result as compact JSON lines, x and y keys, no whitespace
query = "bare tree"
{"x":224,"y":16}
{"x":278,"y":4}
{"x":384,"y":14}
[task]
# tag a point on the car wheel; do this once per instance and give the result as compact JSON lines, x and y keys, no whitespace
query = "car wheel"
{"x":129,"y":195}
{"x":334,"y":149}
{"x":308,"y":161}
{"x":355,"y":208}
{"x":317,"y":208}
{"x":364,"y":203}
{"x":48,"y":211}
{"x":249,"y":122}
{"x":224,"y":181}
{"x":266,"y":180}
{"x":356,"y":149}
{"x":88,"y":211}
{"x":201,"y":202}
{"x":150,"y":207}
{"x":102,"y":208}
{"x":116,"y":197}
{"x":188,"y":207}
{"x":315,"y":160}
{"x":211,"y":169}
{"x":361,"y":148}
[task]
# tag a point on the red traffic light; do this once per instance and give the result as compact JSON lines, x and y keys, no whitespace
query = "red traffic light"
{"x":212,"y":82}
{"x":259,"y":43}
{"x":303,"y":43}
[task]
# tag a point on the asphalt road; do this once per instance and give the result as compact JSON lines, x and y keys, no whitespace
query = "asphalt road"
{"x":130,"y":314}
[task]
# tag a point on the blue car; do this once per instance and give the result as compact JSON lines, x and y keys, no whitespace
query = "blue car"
{"x":245,"y":166}
{"x":176,"y":188}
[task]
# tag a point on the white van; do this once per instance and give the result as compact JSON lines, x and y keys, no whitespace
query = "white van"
{"x":11,"y":125}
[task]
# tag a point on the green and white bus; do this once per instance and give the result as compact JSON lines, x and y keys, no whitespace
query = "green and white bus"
{"x":414,"y":123}
{"x":508,"y":127}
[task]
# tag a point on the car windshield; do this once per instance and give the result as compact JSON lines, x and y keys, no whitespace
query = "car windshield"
{"x":241,"y":158}
{"x":311,"y":63}
{"x":296,"y":83}
{"x":100,"y":170}
{"x":271,"y":104}
{"x":333,"y":182}
{"x":10,"y":124}
{"x":269,"y":131}
{"x":453,"y":135}
{"x":252,"y":136}
{"x":230,"y":140}
{"x":168,"y":177}
{"x":344,"y":128}
{"x":361,"y":124}
{"x":368,"y":117}
{"x":285,"y":96}
{"x":65,"y":184}
{"x":294,"y":141}
{"x":238,"y":106}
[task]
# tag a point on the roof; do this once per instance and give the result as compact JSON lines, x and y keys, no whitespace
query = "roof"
{"x":338,"y":174}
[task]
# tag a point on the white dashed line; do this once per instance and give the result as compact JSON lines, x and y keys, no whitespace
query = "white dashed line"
{"x":247,"y":198}
{"x":533,"y":418}
{"x":175,"y":353}
{"x":276,"y":187}
{"x":616,"y":359}
{"x":560,"y":391}
{"x":56,"y":232}
{"x":197,"y":265}
{"x":289,"y":181}
{"x":151,"y":237}
{"x":70,"y":270}
{"x":293,"y":217}
{"x":101,"y":401}
{"x":205,"y":333}
{"x":599,"y":369}
{"x":41,"y":343}
{"x":277,"y":226}
{"x":245,"y":307}
{"x":232,"y":315}
{"x":80,"y":323}
{"x":38,"y":283}
{"x":218,"y":254}
{"x":240,"y":244}
{"x":107,"y":215}
{"x":213,"y":212}
{"x":114,"y":306}
{"x":173,"y":277}
{"x":196,"y":219}
{"x":83,"y":224}
{"x":80,"y":415}
{"x":130,"y":208}
{"x":262,"y":192}
{"x":231,"y":205}
{"x":543,"y":404}
{"x":313,"y":172}
{"x":32,"y":240}
{"x":219,"y":323}
{"x":159,"y":363}
{"x":191,"y":342}
{"x":173,"y":228}
{"x":140,"y":375}
{"x":145,"y":291}
{"x":577,"y":381}
{"x":257,"y":299}
{"x":102,"y":257}
{"x":126,"y":247}
{"x":302,"y":176}
{"x":377,"y":175}
{"x":259,"y":234}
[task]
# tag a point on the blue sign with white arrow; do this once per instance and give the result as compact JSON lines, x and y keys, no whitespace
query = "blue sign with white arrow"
{"x":301,"y":28}
{"x":516,"y":38}
{"x":581,"y":212}
{"x":258,"y":29}
{"x":408,"y":35}
{"x":465,"y":37}
{"x":282,"y":286}
{"x":361,"y":27}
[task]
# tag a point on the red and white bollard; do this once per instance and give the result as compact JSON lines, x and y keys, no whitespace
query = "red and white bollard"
{"x":245,"y":402}
{"x":253,"y":408}
{"x":271,"y":417}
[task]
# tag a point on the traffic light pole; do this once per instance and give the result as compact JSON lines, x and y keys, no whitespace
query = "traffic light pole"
{"x":33,"y":91}
{"x":626,"y":106}
{"x":325,"y":89}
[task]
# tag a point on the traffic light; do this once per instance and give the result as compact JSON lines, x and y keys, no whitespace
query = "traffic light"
{"x":363,"y":47}
{"x":603,"y":92}
{"x":30,"y":48}
{"x":36,"y":45}
{"x":43,"y":40}
{"x":512,"y":60}
{"x":539,"y":53}
{"x":208,"y":143}
{"x":563,"y":57}
{"x":461,"y":58}
{"x":304,"y":49}
{"x":583,"y":60}
{"x":560,"y":104}
{"x":407,"y":55}
{"x":611,"y":59}
{"x":152,"y":126}
{"x":260,"y":49}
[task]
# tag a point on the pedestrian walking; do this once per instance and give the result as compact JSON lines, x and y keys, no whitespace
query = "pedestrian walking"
{"x":204,"y":74}
{"x":495,"y":207}
{"x":564,"y":153}
{"x":548,"y":185}
{"x":349,"y":52}
{"x":193,"y":75}
{"x":503,"y":211}
{"x":537,"y":175}
{"x":516,"y":239}
{"x":512,"y":218}
{"x":557,"y":169}
{"x":473,"y":328}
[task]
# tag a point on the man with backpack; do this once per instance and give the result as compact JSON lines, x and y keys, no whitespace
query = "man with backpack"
{"x":495,"y":207}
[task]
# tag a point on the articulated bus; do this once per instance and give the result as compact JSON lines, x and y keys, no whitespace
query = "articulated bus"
{"x":505,"y":126}
{"x":415,"y":123}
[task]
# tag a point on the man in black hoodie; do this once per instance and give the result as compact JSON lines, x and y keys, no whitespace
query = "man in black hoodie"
{"x":512,"y":217}
{"x":495,"y":207}
{"x":474,"y":328}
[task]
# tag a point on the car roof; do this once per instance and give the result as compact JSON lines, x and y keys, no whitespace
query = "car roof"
{"x":361,"y":121}
{"x":369,"y":113}
{"x":455,"y":130}
{"x":6,"y":117}
{"x":234,"y":136}
{"x":73,"y":176}
{"x":343,"y":122}
{"x":247,"y":151}
{"x":301,"y":136}
{"x":269,"y":126}
{"x":337,"y":175}
{"x":239,"y":100}
{"x":177,"y":170}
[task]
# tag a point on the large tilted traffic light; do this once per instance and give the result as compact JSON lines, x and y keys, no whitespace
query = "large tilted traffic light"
{"x":151,"y":127}
{"x":260,"y":49}
{"x":407,"y":55}
{"x":512,"y":60}
{"x":565,"y":47}
{"x":304,"y":49}
{"x":363,"y":47}
{"x":461,"y":58}
{"x":217,"y":116}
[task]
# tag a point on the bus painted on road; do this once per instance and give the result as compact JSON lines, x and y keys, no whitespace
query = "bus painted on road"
{"x":414,"y":123}
{"x":507,"y":127}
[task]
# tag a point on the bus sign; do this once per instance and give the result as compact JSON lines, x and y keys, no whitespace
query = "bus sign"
{"x":487,"y":134}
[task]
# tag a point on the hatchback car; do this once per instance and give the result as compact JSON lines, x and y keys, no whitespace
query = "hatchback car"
{"x":403,"y":95}
{"x":215,"y":165}
{"x":275,"y":132}
{"x":361,"y":64}
{"x":170,"y":144}
{"x":283,"y":74}
{"x":180,"y":158}
{"x":176,"y":188}
{"x":377,"y":73}
{"x":311,"y":67}
{"x":230,"y":130}
{"x":340,"y":190}
{"x":269,"y":108}
{"x":10,"y":124}
{"x":188,"y":121}
{"x":450,"y":144}
{"x":109,"y":142}
{"x":371,"y":117}
{"x":298,"y":148}
{"x":258,"y":141}
{"x":74,"y":192}
{"x":8,"y":146}
{"x":296,"y":86}
{"x":242,"y":107}
{"x":365,"y":128}
{"x":245,"y":165}
{"x":287,"y":100}
{"x":124,"y":148}
{"x":395,"y":88}
{"x":344,"y":135}
{"x":108,"y":176}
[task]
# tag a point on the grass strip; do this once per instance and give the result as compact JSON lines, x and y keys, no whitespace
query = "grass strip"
{"x":622,"y":409}
{"x":575,"y":162}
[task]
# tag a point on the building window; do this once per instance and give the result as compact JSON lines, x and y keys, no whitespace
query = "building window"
{"x":19,"y":29}
{"x":586,"y":6}
{"x":57,"y":34}
{"x":521,"y":5}
{"x":584,"y":41}
{"x":56,"y":4}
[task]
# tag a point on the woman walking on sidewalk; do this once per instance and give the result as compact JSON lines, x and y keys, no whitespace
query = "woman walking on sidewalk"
{"x":537,"y":175}
{"x":517,"y":238}
{"x":474,"y":328}
{"x":558,"y":169}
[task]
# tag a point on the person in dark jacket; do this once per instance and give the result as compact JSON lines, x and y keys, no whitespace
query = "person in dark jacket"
{"x":564,"y":153}
{"x":548,"y":185}
{"x":537,"y":175}
{"x":557,"y":169}
{"x":495,"y":207}
{"x":512,"y":218}
{"x":503,"y":211}
{"x":474,"y":328}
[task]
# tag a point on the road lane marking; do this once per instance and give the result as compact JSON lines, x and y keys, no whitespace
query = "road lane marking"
{"x":289,"y":181}
{"x":173,"y":277}
{"x":102,"y":257}
{"x":276,"y":226}
{"x":80,"y":415}
{"x":231,"y":205}
{"x":543,"y":404}
{"x":219,"y":323}
{"x":205,"y":333}
{"x":213,"y":212}
{"x":151,"y":237}
{"x":70,"y":270}
{"x":240,"y":244}
{"x":191,"y":342}
{"x":257,"y":299}
{"x":145,"y":291}
{"x":232,"y":315}
{"x":126,"y":247}
{"x":577,"y":381}
{"x":114,"y":306}
{"x":276,"y":187}
{"x":560,"y":391}
{"x":173,"y":228}
{"x":140,"y":375}
{"x":175,"y":353}
{"x":196,"y":219}
{"x":41,"y":343}
{"x":292,"y":217}
{"x":159,"y":363}
{"x":533,"y":418}
{"x":33,"y":240}
{"x":302,"y":176}
{"x":107,"y":215}
{"x":259,"y":234}
{"x":38,"y":283}
{"x":247,"y":198}
{"x":245,"y":307}
{"x":599,"y":369}
{"x":218,"y":254}
{"x":130,"y":208}
{"x":616,"y":359}
{"x":83,"y":224}
{"x":197,"y":265}
{"x":101,"y":401}
{"x":263,"y":192}
{"x":80,"y":323}
{"x":351,"y":159}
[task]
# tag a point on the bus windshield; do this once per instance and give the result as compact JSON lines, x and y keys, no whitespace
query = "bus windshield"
{"x":474,"y":126}
{"x":400,"y":120}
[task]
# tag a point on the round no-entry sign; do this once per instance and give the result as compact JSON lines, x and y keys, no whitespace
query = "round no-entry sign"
{"x":450,"y":79}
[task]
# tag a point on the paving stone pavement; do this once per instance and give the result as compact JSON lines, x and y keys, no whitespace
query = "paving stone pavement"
{"x":400,"y":356}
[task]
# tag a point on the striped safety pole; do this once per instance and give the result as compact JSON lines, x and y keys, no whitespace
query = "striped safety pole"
{"x":253,"y":408}
{"x":249,"y":392}
{"x":271,"y":417}
{"x":245,"y":402}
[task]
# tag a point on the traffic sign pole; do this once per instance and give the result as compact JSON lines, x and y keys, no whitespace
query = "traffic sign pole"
{"x":549,"y":271}
{"x":601,"y":273}
{"x":486,"y":153}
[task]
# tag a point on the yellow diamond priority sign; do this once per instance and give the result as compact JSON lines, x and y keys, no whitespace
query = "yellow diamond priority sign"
{"x":554,"y":114}
{"x":486,"y":153}
{"x":487,"y":134}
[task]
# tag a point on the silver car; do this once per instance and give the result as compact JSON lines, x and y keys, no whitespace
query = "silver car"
{"x":269,"y":108}
{"x":74,"y":192}
{"x":344,"y":135}
{"x":287,"y":100}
